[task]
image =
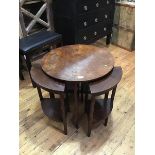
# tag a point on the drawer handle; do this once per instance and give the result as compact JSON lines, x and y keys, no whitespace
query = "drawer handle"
{"x":107,"y":2}
{"x":105,"y":29}
{"x":85,"y":23}
{"x":84,"y":38}
{"x":106,"y":16}
{"x":85,"y":8}
{"x":97,"y":5}
{"x":96,"y":20}
{"x":95,"y":33}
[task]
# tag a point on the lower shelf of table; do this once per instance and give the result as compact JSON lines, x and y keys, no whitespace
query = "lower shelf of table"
{"x":101,"y":110}
{"x":51,"y":108}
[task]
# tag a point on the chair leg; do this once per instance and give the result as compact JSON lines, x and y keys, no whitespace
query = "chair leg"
{"x":63,"y":114}
{"x":90,"y":117}
{"x":86,"y":104}
{"x":67,"y":97}
{"x":105,"y":106}
{"x":67,"y":102}
{"x":39,"y":93}
{"x":106,"y":121}
{"x":76,"y":107}
{"x":28,"y":64}
{"x":112,"y":97}
{"x":20,"y":68}
{"x":82,"y":93}
{"x":78,"y":90}
{"x":106,"y":97}
{"x":51,"y":95}
{"x":21,"y":75}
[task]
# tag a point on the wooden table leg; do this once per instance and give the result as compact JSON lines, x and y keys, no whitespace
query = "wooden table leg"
{"x":63,"y":113}
{"x":90,"y":117}
{"x":112,"y":97}
{"x":76,"y":111}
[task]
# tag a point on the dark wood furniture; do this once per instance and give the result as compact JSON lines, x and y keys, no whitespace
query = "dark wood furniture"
{"x":39,"y":42}
{"x":52,"y":107}
{"x":103,"y":107}
{"x":75,"y":64}
{"x":83,"y":21}
{"x":35,"y":41}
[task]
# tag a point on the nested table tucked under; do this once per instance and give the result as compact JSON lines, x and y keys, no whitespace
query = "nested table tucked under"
{"x":77,"y":63}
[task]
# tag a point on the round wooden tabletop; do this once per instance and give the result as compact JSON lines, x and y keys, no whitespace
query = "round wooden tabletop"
{"x":77,"y":63}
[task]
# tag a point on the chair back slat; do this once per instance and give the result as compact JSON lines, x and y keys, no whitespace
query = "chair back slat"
{"x":36,"y":18}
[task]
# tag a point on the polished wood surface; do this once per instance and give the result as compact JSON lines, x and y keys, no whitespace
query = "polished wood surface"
{"x":45,"y":82}
{"x":39,"y":136}
{"x":106,"y":83}
{"x":77,"y":63}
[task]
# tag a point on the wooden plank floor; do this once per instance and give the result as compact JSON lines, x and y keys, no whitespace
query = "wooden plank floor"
{"x":41,"y":136}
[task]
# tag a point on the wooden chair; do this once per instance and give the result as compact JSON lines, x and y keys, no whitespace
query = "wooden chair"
{"x":33,"y":45}
{"x":100,"y":87}
{"x":52,"y":107}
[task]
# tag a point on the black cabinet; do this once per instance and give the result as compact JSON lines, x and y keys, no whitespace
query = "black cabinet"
{"x":83,"y":21}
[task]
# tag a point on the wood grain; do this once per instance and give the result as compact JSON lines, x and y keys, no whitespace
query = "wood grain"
{"x":77,"y":63}
{"x":41,"y":136}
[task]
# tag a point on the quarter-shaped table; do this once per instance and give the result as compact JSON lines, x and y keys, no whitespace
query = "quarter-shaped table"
{"x":76,"y":64}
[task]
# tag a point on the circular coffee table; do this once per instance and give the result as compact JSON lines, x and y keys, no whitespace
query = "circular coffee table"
{"x":76,"y":64}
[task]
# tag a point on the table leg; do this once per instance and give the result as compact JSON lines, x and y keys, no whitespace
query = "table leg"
{"x":76,"y":106}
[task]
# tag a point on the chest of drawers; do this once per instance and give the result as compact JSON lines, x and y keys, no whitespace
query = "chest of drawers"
{"x":83,"y":21}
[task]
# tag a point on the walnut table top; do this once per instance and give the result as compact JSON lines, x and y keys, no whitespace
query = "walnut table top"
{"x":77,"y":63}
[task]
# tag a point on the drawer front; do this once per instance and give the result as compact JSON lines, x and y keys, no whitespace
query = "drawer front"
{"x":102,"y":16}
{"x":93,"y":33}
{"x":89,"y":5}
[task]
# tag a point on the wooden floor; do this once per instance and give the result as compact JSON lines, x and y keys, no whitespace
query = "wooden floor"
{"x":41,"y":136}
